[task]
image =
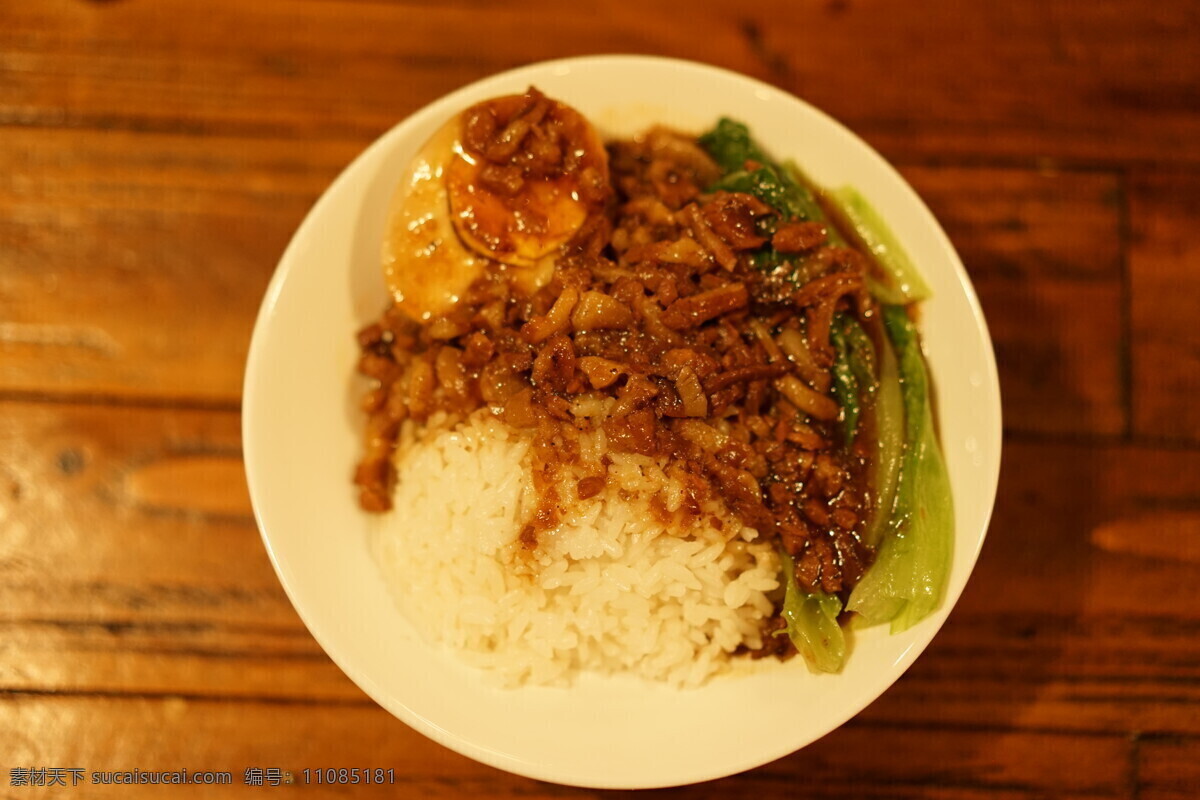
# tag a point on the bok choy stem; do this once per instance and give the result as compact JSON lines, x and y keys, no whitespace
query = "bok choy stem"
{"x":889,"y":442}
{"x":877,"y":239}
{"x":907,"y":580}
{"x":812,"y":623}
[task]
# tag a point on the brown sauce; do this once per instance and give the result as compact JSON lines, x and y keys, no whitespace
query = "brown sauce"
{"x":712,"y":364}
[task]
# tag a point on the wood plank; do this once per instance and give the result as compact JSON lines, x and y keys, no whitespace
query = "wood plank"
{"x":1053,"y":527}
{"x":199,"y":658}
{"x":1043,"y":249}
{"x":81,"y":543}
{"x":1168,"y":768}
{"x":1109,"y":81}
{"x":1059,"y":81}
{"x":131,"y":564}
{"x":284,"y":69}
{"x":134,"y":265}
{"x":131,"y":561}
{"x":1009,"y":673}
{"x":175,"y":733}
{"x":1165,"y":280}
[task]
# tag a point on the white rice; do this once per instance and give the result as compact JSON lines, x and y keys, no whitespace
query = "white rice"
{"x":610,"y":589}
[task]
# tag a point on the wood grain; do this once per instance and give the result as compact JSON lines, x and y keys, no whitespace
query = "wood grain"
{"x":1168,"y":768}
{"x":80,"y":540}
{"x":155,"y":158}
{"x":134,"y":265}
{"x":101,"y":733}
{"x":1021,"y":80}
{"x":1165,"y":272}
{"x":1043,"y":249}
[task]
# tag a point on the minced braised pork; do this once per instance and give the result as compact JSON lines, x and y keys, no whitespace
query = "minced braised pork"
{"x":714,"y":363}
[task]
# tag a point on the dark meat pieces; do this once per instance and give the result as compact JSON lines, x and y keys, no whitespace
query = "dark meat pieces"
{"x":712,"y":364}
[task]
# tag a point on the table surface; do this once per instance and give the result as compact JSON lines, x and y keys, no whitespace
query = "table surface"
{"x":156,"y":156}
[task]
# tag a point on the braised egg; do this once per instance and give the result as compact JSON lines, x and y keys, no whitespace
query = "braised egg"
{"x":502,"y":186}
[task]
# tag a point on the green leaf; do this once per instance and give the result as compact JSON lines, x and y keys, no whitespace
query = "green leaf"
{"x":812,"y":623}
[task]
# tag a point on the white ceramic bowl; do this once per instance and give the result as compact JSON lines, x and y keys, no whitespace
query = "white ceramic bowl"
{"x":301,"y":433}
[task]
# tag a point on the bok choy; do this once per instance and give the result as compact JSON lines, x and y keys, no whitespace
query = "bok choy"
{"x":906,"y":582}
{"x":881,"y":385}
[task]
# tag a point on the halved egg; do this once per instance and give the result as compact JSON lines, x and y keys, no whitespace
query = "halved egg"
{"x":504,"y":185}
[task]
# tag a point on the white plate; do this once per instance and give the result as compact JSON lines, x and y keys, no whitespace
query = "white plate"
{"x":301,"y":435}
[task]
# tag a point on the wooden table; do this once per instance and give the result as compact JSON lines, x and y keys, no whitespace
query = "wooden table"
{"x":155,"y":157}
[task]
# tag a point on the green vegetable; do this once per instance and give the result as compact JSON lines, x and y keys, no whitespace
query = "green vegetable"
{"x":879,"y":241}
{"x":853,"y":371}
{"x":730,"y":145}
{"x":889,"y":443}
{"x":803,"y":200}
{"x":812,"y":623}
{"x":767,"y":184}
{"x":769,"y":260}
{"x":907,"y":580}
{"x":812,"y":193}
{"x":845,"y":383}
{"x":884,"y":293}
{"x":862,"y":355}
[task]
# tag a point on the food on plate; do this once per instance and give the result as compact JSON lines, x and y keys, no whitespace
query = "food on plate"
{"x":644,"y":405}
